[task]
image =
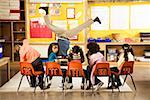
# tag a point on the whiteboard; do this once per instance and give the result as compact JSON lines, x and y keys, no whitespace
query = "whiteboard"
{"x":140,"y":17}
{"x":103,"y":13}
{"x":119,"y":17}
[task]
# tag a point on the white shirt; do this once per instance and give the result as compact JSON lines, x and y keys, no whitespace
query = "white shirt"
{"x":122,"y":59}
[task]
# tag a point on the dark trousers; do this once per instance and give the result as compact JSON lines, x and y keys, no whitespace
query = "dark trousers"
{"x":64,"y":76}
{"x":116,"y":78}
{"x":38,"y":66}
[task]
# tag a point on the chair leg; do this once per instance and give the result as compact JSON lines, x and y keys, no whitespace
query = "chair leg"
{"x":92,"y":89}
{"x":20,"y":83}
{"x":63,"y":81}
{"x":132,"y":81}
{"x":112,"y":82}
{"x":28,"y":80}
{"x":35,"y":87}
{"x":46,"y":80}
{"x":36,"y":84}
{"x":118,"y":89}
{"x":125,"y":79}
{"x":108,"y":81}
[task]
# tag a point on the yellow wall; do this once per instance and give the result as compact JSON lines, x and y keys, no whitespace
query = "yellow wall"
{"x":79,"y":7}
{"x":124,"y":33}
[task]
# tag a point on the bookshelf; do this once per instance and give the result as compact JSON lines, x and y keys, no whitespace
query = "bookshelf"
{"x":138,"y":49}
{"x":12,"y":32}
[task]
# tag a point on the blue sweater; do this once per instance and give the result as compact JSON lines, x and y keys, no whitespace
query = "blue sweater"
{"x":52,"y":57}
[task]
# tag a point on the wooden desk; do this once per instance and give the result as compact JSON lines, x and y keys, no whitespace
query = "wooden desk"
{"x":6,"y":61}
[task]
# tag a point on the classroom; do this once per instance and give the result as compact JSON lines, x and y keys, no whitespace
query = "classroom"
{"x":79,"y":49}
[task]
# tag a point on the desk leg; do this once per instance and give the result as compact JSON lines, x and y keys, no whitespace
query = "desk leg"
{"x":8,"y":69}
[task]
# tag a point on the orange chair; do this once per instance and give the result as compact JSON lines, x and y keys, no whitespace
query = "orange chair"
{"x":103,"y":69}
{"x":26,"y":69}
{"x":75,"y":69}
{"x":126,"y":69}
{"x":53,"y":69}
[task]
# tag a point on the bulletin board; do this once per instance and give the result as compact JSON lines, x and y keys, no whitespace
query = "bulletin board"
{"x":36,"y":26}
{"x":9,"y":9}
{"x":39,"y":30}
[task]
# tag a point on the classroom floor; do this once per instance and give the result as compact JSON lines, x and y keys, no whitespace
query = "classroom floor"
{"x":142,"y":80}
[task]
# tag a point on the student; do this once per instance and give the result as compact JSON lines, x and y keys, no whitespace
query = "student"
{"x":76,"y":54}
{"x":52,"y":56}
{"x":125,"y":55}
{"x":94,"y":56}
{"x":27,"y":53}
{"x":53,"y":52}
{"x":63,"y":34}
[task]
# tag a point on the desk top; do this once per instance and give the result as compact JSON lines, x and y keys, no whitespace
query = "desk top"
{"x":4,"y":60}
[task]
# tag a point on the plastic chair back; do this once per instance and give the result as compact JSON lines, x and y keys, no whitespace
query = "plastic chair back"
{"x":127,"y":68}
{"x":53,"y":69}
{"x":75,"y":69}
{"x":102,"y":69}
{"x":26,"y":69}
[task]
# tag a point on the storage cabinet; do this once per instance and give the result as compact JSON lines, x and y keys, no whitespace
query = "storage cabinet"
{"x":12,"y":32}
{"x":138,"y":49}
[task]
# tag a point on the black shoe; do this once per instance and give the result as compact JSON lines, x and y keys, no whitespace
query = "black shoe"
{"x":45,"y":8}
{"x":119,"y":83}
{"x":97,"y":19}
{"x":32,"y":85}
{"x":111,"y":87}
{"x":88,"y":88}
{"x":44,"y":88}
{"x":48,"y":86}
{"x":71,"y":87}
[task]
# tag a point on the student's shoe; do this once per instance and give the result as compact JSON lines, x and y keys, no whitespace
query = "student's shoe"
{"x":32,"y":85}
{"x":97,"y":19}
{"x":48,"y":86}
{"x":44,"y":88}
{"x":98,"y":86}
{"x":112,"y":87}
{"x":69,"y":86}
{"x":82,"y":86}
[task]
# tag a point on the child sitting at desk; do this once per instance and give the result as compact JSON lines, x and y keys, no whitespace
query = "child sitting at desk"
{"x":52,"y":55}
{"x":52,"y":52}
{"x":126,"y":54}
{"x":30,"y":55}
{"x":93,"y":56}
{"x":76,"y":54}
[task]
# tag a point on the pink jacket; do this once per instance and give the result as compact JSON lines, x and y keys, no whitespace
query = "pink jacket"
{"x":27,"y":53}
{"x":95,"y":58}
